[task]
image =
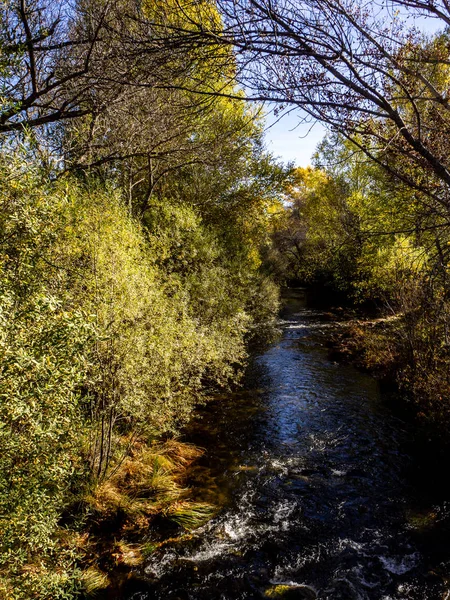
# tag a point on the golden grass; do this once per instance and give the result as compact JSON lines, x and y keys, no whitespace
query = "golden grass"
{"x":93,"y":580}
{"x":120,"y":509}
{"x":147,"y":482}
{"x":128,"y":554}
{"x":190,"y":514}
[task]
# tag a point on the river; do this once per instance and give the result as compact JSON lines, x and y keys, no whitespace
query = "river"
{"x":321,"y":485}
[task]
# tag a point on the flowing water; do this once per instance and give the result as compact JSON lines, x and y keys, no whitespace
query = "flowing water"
{"x":320,"y":486}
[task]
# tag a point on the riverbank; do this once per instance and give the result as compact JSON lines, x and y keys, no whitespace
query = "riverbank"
{"x":416,"y":383}
{"x":142,"y":505}
{"x":365,"y":342}
{"x":112,"y":330}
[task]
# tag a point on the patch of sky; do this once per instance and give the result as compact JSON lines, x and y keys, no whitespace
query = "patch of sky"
{"x":293,"y":136}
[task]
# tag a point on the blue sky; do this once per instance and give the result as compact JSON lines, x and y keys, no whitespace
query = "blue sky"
{"x":289,"y":139}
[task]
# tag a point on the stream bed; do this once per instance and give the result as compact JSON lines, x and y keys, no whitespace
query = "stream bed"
{"x":322,"y":488}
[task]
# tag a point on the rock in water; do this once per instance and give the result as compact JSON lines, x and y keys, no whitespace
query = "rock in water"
{"x":290,"y":591}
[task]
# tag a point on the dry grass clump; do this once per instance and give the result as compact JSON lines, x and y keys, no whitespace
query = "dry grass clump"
{"x":148,"y":483}
{"x":190,"y":514}
{"x":129,"y":555}
{"x":93,"y":580}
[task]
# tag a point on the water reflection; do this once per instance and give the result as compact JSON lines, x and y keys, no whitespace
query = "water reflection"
{"x":311,"y":469}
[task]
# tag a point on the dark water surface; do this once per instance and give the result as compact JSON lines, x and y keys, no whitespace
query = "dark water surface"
{"x":319,"y":486}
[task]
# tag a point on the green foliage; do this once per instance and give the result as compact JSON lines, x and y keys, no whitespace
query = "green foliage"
{"x":109,"y":330}
{"x":127,"y":293}
{"x":43,"y":337}
{"x":319,"y":235}
{"x":349,"y":228}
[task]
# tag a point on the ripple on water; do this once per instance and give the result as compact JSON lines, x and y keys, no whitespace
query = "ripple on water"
{"x":325,"y":502}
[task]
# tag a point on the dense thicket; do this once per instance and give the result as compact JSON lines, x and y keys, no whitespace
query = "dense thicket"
{"x":131,"y":224}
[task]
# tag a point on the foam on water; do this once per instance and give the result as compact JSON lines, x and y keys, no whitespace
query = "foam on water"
{"x":325,"y":501}
{"x":399,"y":565}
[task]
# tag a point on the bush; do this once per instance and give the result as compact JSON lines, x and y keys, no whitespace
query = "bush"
{"x":110,"y":332}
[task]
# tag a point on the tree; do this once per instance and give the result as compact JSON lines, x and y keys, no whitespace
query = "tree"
{"x":62,"y":61}
{"x":367,"y":74}
{"x":320,"y":235}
